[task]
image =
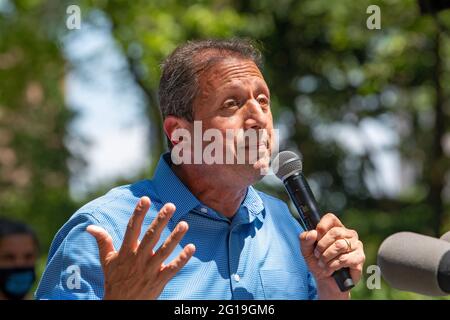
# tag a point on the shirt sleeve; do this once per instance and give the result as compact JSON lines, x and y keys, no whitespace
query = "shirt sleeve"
{"x":73,"y":270}
{"x":312,"y":287}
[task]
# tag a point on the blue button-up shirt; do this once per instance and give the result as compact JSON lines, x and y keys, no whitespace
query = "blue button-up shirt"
{"x":254,"y":255}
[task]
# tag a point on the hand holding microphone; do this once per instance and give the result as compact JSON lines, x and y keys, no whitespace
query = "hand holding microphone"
{"x":332,"y":252}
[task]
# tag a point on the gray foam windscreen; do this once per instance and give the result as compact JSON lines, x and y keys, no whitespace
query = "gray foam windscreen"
{"x":286,"y":163}
{"x":410,"y":262}
{"x":446,"y":237}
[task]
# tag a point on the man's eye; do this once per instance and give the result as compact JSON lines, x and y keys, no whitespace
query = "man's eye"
{"x":263,"y":101}
{"x":7,"y":257}
{"x":231,"y":103}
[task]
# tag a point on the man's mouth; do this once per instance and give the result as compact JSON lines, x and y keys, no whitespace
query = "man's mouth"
{"x":264,"y":144}
{"x":259,"y":147}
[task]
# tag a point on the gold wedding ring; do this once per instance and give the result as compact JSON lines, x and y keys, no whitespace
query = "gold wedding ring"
{"x":349,"y":245}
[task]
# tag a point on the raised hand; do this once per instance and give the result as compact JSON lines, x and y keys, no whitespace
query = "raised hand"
{"x":136,"y":271}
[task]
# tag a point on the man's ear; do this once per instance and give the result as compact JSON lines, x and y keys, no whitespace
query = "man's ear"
{"x":171,"y":123}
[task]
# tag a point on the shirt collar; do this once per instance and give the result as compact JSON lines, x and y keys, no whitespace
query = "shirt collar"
{"x":170,"y":189}
{"x":254,"y":205}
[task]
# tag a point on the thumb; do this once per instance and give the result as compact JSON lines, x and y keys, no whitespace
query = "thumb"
{"x":104,"y":241}
{"x":307,"y":243}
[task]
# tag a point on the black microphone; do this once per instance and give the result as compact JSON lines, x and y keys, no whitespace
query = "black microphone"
{"x":288,"y":167}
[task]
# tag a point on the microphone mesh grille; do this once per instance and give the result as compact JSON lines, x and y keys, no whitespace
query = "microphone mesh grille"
{"x":287,"y":163}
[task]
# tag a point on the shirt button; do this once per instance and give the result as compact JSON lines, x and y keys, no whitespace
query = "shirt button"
{"x":204,"y":210}
{"x":236,"y":277}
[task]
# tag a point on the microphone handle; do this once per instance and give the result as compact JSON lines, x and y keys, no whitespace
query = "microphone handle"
{"x":306,"y":205}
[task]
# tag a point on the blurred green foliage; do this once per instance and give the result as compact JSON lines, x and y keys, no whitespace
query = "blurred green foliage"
{"x":326,"y":70}
{"x":33,"y":122}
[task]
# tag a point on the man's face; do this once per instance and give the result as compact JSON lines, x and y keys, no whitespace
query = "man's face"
{"x":17,"y":251}
{"x":234,"y":96}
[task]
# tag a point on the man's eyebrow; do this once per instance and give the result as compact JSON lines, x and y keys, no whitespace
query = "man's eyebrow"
{"x":258,"y":84}
{"x":230,"y":87}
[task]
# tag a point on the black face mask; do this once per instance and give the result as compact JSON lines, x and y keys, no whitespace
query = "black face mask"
{"x":16,"y":282}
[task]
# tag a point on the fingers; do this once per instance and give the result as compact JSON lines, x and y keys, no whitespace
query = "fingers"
{"x":307,"y":243}
{"x":172,"y":268}
{"x":327,"y":222}
{"x":331,"y":247}
{"x":171,"y":242}
{"x":104,"y":242}
{"x":353,"y":260}
{"x":130,"y":241}
{"x":334,"y":238}
{"x":153,"y":232}
{"x":338,"y":248}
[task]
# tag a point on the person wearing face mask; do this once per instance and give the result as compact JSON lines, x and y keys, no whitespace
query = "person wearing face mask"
{"x":19,"y":249}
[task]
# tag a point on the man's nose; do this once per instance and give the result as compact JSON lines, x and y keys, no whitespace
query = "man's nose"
{"x":256,"y":118}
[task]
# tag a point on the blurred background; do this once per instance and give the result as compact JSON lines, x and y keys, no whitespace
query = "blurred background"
{"x":368,"y":109}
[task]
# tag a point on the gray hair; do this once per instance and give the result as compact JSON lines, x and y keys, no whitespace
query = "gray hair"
{"x":179,"y":85}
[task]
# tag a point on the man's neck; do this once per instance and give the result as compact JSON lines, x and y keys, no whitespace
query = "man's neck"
{"x":223,"y":199}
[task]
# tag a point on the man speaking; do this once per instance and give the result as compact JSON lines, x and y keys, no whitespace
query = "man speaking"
{"x":198,"y":229}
